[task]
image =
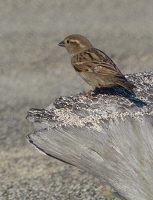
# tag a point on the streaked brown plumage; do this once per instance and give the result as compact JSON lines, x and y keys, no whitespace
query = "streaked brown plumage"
{"x":93,"y":65}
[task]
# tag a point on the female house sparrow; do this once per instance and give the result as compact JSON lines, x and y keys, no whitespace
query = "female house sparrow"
{"x":93,"y":65}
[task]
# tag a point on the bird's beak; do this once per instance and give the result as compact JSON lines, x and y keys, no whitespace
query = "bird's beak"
{"x":62,"y":44}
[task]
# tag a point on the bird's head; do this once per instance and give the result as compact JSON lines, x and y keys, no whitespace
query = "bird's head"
{"x":75,"y":44}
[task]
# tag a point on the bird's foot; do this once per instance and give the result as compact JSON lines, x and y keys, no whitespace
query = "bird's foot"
{"x":87,"y":94}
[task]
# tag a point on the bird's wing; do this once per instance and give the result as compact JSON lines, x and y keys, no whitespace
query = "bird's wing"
{"x":96,"y":61}
{"x":105,"y":64}
{"x":98,"y":68}
{"x":106,"y":69}
{"x":83,"y":67}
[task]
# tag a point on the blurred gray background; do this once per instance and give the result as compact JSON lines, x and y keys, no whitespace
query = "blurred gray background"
{"x":34,"y":71}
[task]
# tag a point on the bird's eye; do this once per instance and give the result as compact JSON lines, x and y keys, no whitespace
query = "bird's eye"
{"x":68,"y":41}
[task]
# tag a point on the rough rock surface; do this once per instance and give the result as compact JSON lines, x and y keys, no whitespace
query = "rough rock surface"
{"x":108,"y":135}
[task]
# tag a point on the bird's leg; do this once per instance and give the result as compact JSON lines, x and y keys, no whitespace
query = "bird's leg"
{"x":87,"y":94}
{"x":91,"y":93}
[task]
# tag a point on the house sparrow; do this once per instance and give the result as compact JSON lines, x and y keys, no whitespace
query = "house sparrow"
{"x":93,"y":65}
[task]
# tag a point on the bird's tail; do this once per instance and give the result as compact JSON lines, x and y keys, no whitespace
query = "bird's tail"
{"x":125,"y":83}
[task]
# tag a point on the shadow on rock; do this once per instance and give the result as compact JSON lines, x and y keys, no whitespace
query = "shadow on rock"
{"x":121,"y":91}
